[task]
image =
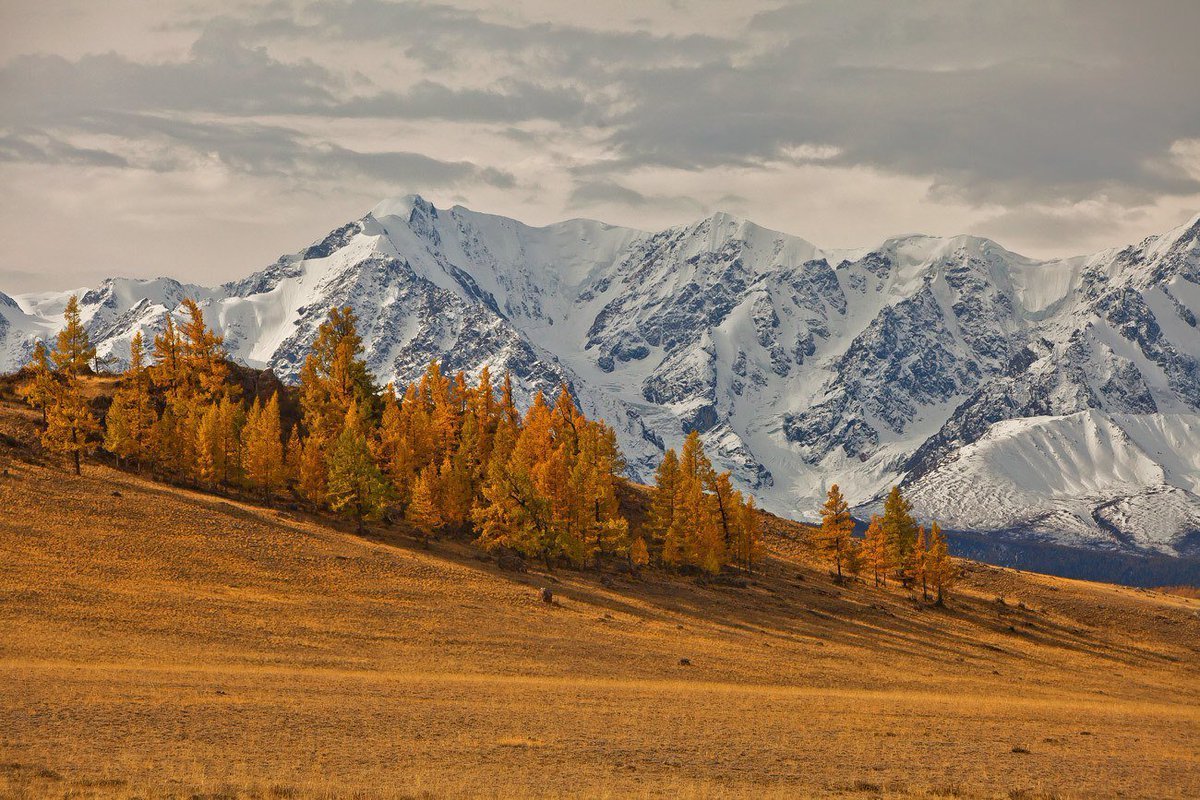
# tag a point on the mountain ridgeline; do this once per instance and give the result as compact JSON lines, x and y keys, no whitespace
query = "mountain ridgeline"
{"x":1058,"y":399}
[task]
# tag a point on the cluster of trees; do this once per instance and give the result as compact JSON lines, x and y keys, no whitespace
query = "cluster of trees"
{"x":697,"y":518}
{"x":446,"y":455}
{"x":895,"y":546}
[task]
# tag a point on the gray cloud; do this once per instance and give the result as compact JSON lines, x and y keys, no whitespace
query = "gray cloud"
{"x":606,"y":192}
{"x":1054,"y":125}
{"x":993,"y":102}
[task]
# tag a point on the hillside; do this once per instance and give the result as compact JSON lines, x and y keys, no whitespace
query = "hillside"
{"x":161,"y":642}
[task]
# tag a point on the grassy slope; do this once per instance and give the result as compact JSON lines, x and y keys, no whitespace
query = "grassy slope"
{"x":169,"y":642}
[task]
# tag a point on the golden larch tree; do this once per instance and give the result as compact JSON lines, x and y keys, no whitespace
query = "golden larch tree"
{"x":70,"y":425}
{"x":837,"y":528}
{"x":73,"y":350}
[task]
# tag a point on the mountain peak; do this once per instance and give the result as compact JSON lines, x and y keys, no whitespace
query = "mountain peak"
{"x":402,"y":206}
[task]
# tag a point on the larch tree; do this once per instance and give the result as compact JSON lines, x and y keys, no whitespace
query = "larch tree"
{"x":204,"y":363}
{"x":749,"y":532}
{"x":355,"y":484}
{"x":293,"y":455}
{"x":900,"y":530}
{"x":834,"y":537}
{"x":129,"y":424}
{"x":919,"y":562}
{"x":73,"y":350}
{"x":662,"y":509}
{"x":40,"y":390}
{"x":943,"y":572}
{"x":70,"y":425}
{"x":334,"y":378}
{"x":262,"y":447}
{"x":423,"y":509}
{"x":875,"y":551}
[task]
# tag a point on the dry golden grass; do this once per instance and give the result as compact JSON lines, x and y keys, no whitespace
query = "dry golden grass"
{"x":158,"y":642}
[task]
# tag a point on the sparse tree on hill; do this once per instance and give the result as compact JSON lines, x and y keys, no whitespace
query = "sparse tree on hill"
{"x":900,"y":531}
{"x":919,"y":562}
{"x":40,"y":390}
{"x":875,"y":551}
{"x":749,"y":532}
{"x":73,"y":351}
{"x":942,"y":571}
{"x":834,"y":537}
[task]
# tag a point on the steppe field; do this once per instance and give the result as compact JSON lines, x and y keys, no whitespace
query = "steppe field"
{"x":158,"y":642}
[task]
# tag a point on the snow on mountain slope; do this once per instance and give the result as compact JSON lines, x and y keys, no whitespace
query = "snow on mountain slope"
{"x":799,"y":366}
{"x":1082,"y":478}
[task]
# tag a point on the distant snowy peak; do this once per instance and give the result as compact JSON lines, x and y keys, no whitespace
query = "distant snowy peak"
{"x":919,"y":361}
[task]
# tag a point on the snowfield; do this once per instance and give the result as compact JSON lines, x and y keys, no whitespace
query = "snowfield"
{"x":1055,"y":398}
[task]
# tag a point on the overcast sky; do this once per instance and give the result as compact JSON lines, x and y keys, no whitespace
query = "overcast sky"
{"x":202,"y":139}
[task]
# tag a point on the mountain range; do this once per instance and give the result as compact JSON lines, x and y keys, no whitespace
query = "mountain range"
{"x":1055,"y":400}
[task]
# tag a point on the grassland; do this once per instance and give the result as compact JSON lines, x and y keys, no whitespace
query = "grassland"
{"x":160,"y":642}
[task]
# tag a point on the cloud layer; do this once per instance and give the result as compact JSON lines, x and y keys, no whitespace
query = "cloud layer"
{"x":1059,"y":127}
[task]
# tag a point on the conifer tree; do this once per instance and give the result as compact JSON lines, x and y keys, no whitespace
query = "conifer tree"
{"x":293,"y":455}
{"x":900,"y":530}
{"x":313,"y":475}
{"x":73,"y":351}
{"x":262,"y":447}
{"x":334,"y":376}
{"x":202,"y":358}
{"x":749,"y":532}
{"x":834,"y":537}
{"x":355,"y":484}
{"x":70,"y":426}
{"x":168,"y":355}
{"x":695,"y":522}
{"x":209,"y":453}
{"x":875,"y":551}
{"x":40,"y":390}
{"x":423,"y":506}
{"x":639,"y":554}
{"x":943,"y":573}
{"x":662,"y":509}
{"x":721,"y":488}
{"x":129,"y":424}
{"x":919,"y":562}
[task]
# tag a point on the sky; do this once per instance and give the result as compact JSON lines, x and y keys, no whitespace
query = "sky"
{"x":201,"y":140}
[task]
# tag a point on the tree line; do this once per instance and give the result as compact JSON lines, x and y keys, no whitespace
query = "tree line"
{"x":447,"y":455}
{"x":895,"y":546}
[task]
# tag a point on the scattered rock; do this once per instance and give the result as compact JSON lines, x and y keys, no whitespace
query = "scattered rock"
{"x":116,"y":493}
{"x":685,"y":662}
{"x":1018,"y":749}
{"x":510,"y":561}
{"x":547,"y":595}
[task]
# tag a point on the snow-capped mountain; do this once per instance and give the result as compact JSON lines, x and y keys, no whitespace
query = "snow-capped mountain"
{"x":1057,"y":398}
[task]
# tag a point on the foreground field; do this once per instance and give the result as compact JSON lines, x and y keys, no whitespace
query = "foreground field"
{"x":159,"y":642}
